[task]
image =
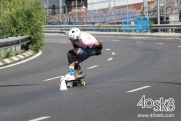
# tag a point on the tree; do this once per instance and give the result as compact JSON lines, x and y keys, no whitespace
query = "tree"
{"x":23,"y":17}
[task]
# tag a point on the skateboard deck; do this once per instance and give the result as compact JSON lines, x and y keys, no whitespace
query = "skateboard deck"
{"x":75,"y":82}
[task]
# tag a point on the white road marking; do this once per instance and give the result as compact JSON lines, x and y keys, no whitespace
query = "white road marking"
{"x":139,"y":37}
{"x":160,"y":43}
{"x":113,"y":53}
{"x":115,"y":40}
{"x":108,"y":49}
{"x":138,"y":89}
{"x":41,"y":118}
{"x":63,"y":42}
{"x":92,"y":67}
{"x":38,"y":54}
{"x":110,"y":59}
{"x":178,"y":46}
{"x":139,"y":42}
{"x":52,"y":78}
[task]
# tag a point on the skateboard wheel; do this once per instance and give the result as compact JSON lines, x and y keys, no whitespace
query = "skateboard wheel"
{"x":69,"y":84}
{"x":82,"y":83}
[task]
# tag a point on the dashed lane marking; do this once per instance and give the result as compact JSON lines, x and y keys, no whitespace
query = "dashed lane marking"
{"x":41,"y":118}
{"x":113,"y":53}
{"x":92,"y":67}
{"x":52,"y":78}
{"x":63,"y":42}
{"x":110,"y":59}
{"x":108,"y":49}
{"x":62,"y":76}
{"x":134,"y":90}
{"x":139,"y":42}
{"x":160,"y":43}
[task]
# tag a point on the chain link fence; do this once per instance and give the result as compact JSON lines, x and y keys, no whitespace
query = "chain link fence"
{"x":95,"y":16}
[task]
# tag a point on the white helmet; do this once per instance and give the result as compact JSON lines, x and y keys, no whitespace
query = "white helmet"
{"x":74,"y":33}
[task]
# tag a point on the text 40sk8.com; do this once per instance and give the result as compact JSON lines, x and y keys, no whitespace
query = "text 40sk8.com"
{"x":154,"y":115}
{"x":157,"y":105}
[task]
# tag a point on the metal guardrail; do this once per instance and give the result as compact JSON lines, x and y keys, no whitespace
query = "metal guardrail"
{"x":98,"y":27}
{"x":167,"y":26}
{"x":12,"y":44}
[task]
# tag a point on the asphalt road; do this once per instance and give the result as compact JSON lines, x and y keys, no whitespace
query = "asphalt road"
{"x":135,"y":79}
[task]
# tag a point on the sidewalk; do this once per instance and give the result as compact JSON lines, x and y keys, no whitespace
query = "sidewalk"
{"x":17,"y":58}
{"x":146,"y":34}
{"x":126,"y":34}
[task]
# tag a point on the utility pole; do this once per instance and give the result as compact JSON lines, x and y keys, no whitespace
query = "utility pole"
{"x":65,"y":8}
{"x":127,"y":12}
{"x":76,"y":11}
{"x":59,"y":7}
{"x":92,"y":10}
{"x":145,"y":7}
{"x":47,"y":4}
{"x":158,"y":12}
{"x":44,"y":6}
{"x":165,"y":11}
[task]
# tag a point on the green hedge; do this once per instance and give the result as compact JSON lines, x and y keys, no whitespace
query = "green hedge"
{"x":23,"y":17}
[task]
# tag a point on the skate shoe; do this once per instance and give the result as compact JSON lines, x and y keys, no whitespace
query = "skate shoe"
{"x":69,"y":77}
{"x":79,"y":76}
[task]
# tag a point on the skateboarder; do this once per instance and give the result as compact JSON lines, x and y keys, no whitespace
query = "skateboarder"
{"x":85,"y":45}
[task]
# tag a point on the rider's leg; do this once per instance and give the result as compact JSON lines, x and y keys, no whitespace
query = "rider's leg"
{"x":77,"y":66}
{"x":71,"y":56}
{"x":72,"y":59}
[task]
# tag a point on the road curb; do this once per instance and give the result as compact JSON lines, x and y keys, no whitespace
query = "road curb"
{"x":154,"y":35}
{"x":17,"y":58}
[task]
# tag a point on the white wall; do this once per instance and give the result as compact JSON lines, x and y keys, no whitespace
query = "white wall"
{"x":98,"y":4}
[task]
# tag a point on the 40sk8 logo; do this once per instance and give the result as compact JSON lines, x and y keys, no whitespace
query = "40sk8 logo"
{"x":157,"y":105}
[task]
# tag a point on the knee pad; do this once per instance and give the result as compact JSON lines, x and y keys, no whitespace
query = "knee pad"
{"x":100,"y":46}
{"x":76,"y":66}
{"x":71,"y":56}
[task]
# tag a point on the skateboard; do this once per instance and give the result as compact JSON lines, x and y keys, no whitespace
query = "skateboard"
{"x":75,"y":82}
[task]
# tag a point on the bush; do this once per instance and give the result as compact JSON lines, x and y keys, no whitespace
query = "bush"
{"x":150,"y":25}
{"x":23,"y":17}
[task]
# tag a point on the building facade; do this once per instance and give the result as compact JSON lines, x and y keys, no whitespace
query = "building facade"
{"x":105,"y":11}
{"x":62,"y":6}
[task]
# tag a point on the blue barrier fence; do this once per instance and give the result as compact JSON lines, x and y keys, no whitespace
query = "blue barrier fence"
{"x":128,"y":24}
{"x":138,"y":24}
{"x":135,"y":24}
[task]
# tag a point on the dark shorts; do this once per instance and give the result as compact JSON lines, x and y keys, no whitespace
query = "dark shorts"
{"x":84,"y":53}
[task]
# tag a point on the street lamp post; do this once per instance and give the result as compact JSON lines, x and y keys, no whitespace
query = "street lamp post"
{"x":165,"y":11}
{"x":65,"y":8}
{"x":44,"y":6}
{"x":127,"y":11}
{"x":92,"y":10}
{"x":76,"y":12}
{"x":158,"y":13}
